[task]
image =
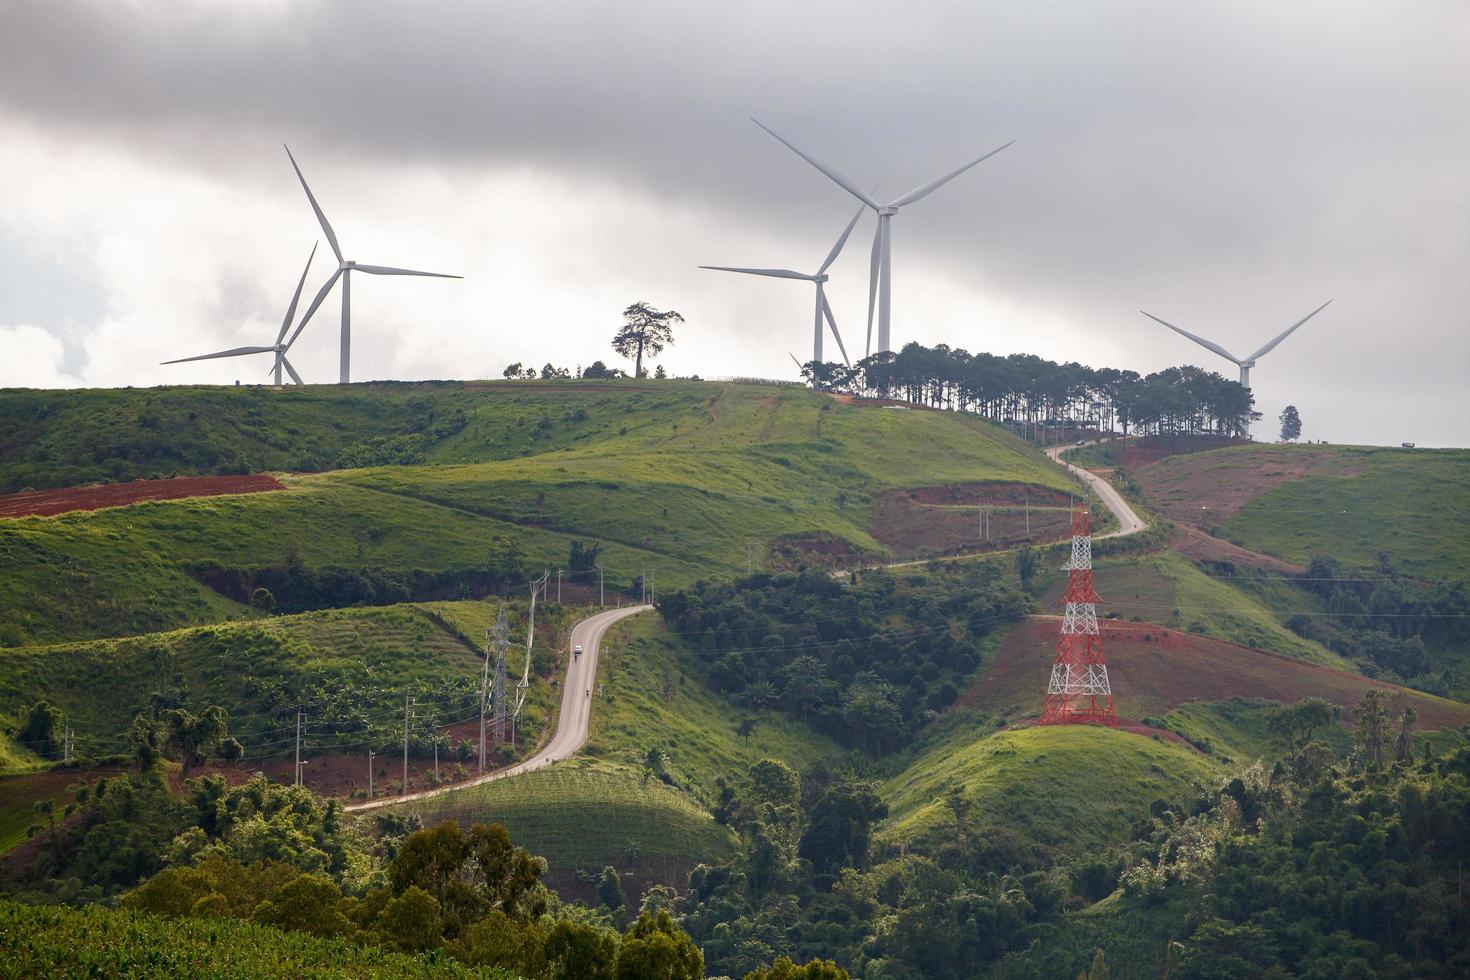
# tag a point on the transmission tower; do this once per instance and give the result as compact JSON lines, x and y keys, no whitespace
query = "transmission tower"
{"x":524,"y":685}
{"x":500,"y":719}
{"x":1079,"y":692}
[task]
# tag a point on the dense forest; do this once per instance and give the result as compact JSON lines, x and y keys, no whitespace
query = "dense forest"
{"x":1022,"y":388}
{"x":866,"y":663}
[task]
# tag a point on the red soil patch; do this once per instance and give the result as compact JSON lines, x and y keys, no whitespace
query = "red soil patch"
{"x":1206,"y":490}
{"x":816,"y":548}
{"x":1196,"y":545}
{"x":1154,"y":670}
{"x":46,"y":503}
{"x":1151,"y":449}
{"x":923,"y":522}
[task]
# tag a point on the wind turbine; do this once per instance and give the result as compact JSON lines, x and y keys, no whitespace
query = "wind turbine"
{"x":1245,"y":363}
{"x":345,"y":268}
{"x":278,"y":348}
{"x":880,"y":276}
{"x":824,"y":309}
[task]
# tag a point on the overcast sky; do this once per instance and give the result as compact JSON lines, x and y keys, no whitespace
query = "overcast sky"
{"x":1227,"y":166}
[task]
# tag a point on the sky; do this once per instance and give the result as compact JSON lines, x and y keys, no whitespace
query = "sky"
{"x":1227,"y":166}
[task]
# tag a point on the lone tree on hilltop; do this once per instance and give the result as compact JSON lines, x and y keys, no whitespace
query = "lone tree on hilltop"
{"x":1291,"y":424}
{"x":647,"y":330}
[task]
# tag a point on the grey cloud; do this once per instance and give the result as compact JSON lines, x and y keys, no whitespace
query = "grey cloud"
{"x":1224,"y":164}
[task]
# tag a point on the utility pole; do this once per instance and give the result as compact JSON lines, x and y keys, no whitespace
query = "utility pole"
{"x":558,"y":586}
{"x":405,"y":743}
{"x":601,"y":595}
{"x":436,"y":758}
{"x":66,"y":742}
{"x":650,"y":587}
{"x":370,"y":773}
{"x":1028,"y":514}
{"x":298,"y":745}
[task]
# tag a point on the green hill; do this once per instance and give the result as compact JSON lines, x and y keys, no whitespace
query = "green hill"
{"x":348,"y":669}
{"x":1352,"y":502}
{"x":1066,"y":789}
{"x":676,"y":478}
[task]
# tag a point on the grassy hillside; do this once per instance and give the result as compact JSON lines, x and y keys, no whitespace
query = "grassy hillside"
{"x":1062,"y":788}
{"x":1294,"y":502}
{"x":1168,"y":589}
{"x":1154,"y":671}
{"x":584,"y":815}
{"x":96,"y":941}
{"x":676,"y":478}
{"x":348,"y":669}
{"x":648,"y":697}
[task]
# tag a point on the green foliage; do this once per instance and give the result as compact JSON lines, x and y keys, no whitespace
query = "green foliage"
{"x":55,"y":941}
{"x":1291,"y":424}
{"x":784,"y":969}
{"x":41,"y":730}
{"x":654,"y":948}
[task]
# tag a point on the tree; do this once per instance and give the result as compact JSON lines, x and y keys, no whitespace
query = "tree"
{"x":1372,"y":719}
{"x":411,"y":921}
{"x":512,"y":371}
{"x":646,"y":331}
{"x":773,"y":781}
{"x":1291,"y":424}
{"x":1403,"y":747}
{"x":1026,"y":565}
{"x":784,"y":969}
{"x":43,"y":723}
{"x":654,"y":948}
{"x":600,"y":370}
{"x":580,"y":951}
{"x":261,"y":600}
{"x":1296,"y":724}
{"x":147,"y":741}
{"x":840,"y":828}
{"x":610,"y":890}
{"x":194,"y":738}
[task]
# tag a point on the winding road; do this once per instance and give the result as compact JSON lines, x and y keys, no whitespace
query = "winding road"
{"x":1128,"y":521}
{"x":576,"y":702}
{"x":571,"y":723}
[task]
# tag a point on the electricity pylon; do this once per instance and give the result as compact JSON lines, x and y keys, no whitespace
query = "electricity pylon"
{"x":1079,"y":691}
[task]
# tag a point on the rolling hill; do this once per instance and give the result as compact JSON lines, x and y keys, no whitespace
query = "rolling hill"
{"x":676,"y":478}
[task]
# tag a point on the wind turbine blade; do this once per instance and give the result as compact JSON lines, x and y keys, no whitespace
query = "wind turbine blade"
{"x":778,"y":273}
{"x":873,"y":283}
{"x":1287,"y":333}
{"x":388,"y":270}
{"x":837,"y":249}
{"x":291,"y":371}
{"x":232,"y":352}
{"x":832,"y":322}
{"x":845,"y":183}
{"x":296,"y":298}
{"x":326,"y":227}
{"x":925,"y":190}
{"x":321,"y":294}
{"x":795,"y":361}
{"x":1207,"y":344}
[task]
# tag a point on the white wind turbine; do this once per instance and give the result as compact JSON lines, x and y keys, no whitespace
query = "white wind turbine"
{"x":1245,"y":363}
{"x":824,"y":309}
{"x":278,"y":348}
{"x":345,"y":268}
{"x":880,"y":276}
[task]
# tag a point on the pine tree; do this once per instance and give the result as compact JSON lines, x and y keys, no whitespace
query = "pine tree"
{"x":1291,"y":424}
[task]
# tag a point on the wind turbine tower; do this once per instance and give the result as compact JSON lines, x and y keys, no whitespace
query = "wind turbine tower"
{"x":824,"y":309}
{"x":880,"y":275}
{"x":1246,"y":363}
{"x":345,"y":268}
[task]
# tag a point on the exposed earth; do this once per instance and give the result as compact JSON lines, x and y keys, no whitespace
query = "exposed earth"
{"x":47,"y":503}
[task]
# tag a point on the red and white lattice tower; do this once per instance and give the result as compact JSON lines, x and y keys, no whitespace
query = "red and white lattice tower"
{"x":1079,"y":692}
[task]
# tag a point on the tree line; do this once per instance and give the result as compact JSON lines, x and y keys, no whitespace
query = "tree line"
{"x":1025,"y":389}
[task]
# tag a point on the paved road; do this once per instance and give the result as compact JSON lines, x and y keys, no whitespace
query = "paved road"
{"x":1128,"y":521}
{"x":571,"y":724}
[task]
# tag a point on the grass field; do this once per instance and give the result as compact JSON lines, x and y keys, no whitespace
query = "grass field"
{"x":650,"y":696}
{"x":1065,"y":788}
{"x":348,"y":669}
{"x":587,"y":814}
{"x":1294,"y":502}
{"x":675,"y":478}
{"x":1168,"y":589}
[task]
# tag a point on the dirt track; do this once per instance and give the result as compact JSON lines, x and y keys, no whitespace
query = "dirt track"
{"x":47,"y":503}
